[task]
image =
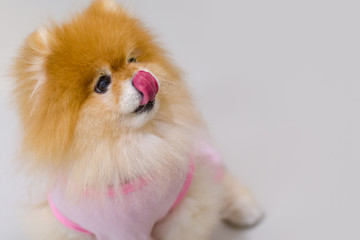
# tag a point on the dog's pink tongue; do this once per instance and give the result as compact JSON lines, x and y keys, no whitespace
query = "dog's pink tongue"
{"x":146,"y":83}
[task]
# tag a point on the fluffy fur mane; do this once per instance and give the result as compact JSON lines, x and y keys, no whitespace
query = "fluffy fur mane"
{"x":70,"y":131}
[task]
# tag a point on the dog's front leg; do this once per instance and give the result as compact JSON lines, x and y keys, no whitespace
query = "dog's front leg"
{"x":198,"y":214}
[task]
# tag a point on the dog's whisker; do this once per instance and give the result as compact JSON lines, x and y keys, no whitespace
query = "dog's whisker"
{"x":167,"y":82}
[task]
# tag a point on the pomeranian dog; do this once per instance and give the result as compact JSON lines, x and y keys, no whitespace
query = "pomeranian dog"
{"x":110,"y":126}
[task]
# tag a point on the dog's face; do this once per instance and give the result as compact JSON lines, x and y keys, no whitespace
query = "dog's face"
{"x":97,"y":76}
{"x":107,"y":65}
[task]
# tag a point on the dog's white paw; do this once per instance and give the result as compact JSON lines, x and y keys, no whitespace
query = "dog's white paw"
{"x":243,"y":212}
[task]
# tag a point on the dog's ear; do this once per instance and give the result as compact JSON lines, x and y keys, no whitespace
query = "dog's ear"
{"x":29,"y":68}
{"x":46,"y":133}
{"x":107,"y":5}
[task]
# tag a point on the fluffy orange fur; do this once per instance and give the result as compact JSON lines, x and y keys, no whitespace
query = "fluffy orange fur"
{"x":70,"y":57}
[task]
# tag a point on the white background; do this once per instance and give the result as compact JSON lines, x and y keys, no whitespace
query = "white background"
{"x":277,"y":82}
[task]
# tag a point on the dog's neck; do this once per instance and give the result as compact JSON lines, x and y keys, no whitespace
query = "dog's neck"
{"x":133,"y":155}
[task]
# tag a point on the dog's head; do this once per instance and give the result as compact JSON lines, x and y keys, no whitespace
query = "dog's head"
{"x":93,"y":79}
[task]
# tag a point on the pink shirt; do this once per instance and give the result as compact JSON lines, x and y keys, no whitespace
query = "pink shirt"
{"x":134,"y":215}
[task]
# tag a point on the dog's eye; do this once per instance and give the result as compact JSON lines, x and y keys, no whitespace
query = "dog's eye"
{"x":132,"y":60}
{"x":103,"y":84}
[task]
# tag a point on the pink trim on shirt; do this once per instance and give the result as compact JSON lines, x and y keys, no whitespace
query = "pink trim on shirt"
{"x":68,"y":223}
{"x":186,"y":186}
